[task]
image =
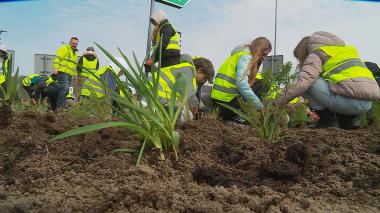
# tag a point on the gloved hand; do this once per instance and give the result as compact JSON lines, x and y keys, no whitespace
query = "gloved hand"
{"x":148,"y":65}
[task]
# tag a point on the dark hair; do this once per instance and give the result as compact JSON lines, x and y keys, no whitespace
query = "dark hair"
{"x":74,"y":38}
{"x":207,"y":67}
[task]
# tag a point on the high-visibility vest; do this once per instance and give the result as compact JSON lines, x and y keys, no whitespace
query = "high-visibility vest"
{"x":224,"y":88}
{"x":344,"y":63}
{"x":174,"y":40}
{"x":66,"y":60}
{"x":167,"y":79}
{"x":88,"y":66}
{"x":4,"y":71}
{"x":27,"y":81}
{"x":93,"y":86}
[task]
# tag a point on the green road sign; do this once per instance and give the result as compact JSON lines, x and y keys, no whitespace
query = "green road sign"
{"x":175,"y":3}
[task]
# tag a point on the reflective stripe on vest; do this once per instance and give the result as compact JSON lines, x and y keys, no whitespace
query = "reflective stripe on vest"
{"x":174,"y":40}
{"x":224,"y":88}
{"x":92,"y":86}
{"x":344,"y":63}
{"x":167,"y":79}
{"x":68,"y":62}
{"x":27,"y":81}
{"x":88,"y":66}
{"x":2,"y":79}
{"x":4,"y":68}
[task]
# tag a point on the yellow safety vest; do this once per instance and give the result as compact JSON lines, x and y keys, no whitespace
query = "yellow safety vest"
{"x":174,"y":40}
{"x":93,"y":86}
{"x":167,"y":79}
{"x":224,"y":88}
{"x":89,"y":65}
{"x":66,"y":60}
{"x":344,"y":63}
{"x":5,"y":71}
{"x":27,"y":81}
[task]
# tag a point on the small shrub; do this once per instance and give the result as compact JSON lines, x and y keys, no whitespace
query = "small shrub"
{"x":92,"y":107}
{"x":298,"y":116}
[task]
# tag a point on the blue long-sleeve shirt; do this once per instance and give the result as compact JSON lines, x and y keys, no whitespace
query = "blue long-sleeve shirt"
{"x":243,"y":85}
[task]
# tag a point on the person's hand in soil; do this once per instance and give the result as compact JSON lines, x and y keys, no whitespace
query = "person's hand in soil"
{"x":33,"y":101}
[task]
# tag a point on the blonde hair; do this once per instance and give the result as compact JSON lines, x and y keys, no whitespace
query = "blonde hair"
{"x":256,"y":47}
{"x":301,"y":51}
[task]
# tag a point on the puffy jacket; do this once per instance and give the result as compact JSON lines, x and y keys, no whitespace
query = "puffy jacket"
{"x":358,"y":88}
{"x":66,"y":60}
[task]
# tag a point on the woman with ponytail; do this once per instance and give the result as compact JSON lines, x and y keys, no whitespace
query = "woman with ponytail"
{"x":237,"y":75}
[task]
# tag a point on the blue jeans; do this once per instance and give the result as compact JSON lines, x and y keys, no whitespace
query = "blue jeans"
{"x":63,"y":83}
{"x":320,"y":98}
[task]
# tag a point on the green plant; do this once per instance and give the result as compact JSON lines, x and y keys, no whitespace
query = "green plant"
{"x":270,"y":121}
{"x":375,"y":114}
{"x":9,"y":89}
{"x":154,"y":123}
{"x":93,"y":106}
{"x":298,"y":116}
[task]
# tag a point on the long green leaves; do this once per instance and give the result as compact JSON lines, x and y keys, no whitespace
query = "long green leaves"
{"x":146,"y":114}
{"x":9,"y":93}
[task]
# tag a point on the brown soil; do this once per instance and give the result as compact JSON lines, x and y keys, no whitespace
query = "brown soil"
{"x":222,"y":168}
{"x":5,"y":114}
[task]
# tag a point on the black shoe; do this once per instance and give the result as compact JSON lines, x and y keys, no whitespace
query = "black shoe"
{"x":349,"y":122}
{"x":327,"y":119}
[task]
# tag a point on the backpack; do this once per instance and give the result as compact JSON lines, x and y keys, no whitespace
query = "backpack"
{"x":375,"y":70}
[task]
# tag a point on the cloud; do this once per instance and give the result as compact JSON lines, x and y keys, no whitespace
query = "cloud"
{"x":210,"y":28}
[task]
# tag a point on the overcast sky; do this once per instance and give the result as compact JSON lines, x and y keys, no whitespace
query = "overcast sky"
{"x":210,"y":28}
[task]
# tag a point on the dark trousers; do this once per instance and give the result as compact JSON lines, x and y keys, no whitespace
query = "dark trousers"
{"x":63,"y":84}
{"x":52,"y":92}
{"x":227,"y":114}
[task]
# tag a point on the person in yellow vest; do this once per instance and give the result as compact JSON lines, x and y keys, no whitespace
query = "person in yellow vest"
{"x":93,"y":87}
{"x":163,"y":29}
{"x":64,"y":69}
{"x":4,"y":65}
{"x":87,"y":64}
{"x":193,"y":74}
{"x":34,"y":84}
{"x":236,"y":77}
{"x":332,"y":77}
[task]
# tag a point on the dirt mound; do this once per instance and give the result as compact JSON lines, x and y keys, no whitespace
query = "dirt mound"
{"x":222,"y":168}
{"x":6,"y":114}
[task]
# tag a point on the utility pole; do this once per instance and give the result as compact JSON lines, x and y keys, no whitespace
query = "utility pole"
{"x":149,"y":39}
{"x":275,"y":29}
{"x":275,"y":36}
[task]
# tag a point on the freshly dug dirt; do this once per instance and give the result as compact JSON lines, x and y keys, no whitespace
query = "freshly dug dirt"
{"x":5,"y":114}
{"x":222,"y":168}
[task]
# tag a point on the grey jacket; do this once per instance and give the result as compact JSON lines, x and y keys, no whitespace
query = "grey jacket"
{"x":358,"y":88}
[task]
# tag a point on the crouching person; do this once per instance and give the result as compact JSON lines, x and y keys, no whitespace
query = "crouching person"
{"x":332,"y":77}
{"x":192,"y":77}
{"x":237,"y":75}
{"x":35,"y":84}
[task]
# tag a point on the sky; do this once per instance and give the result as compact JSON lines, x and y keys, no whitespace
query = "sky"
{"x":210,"y":28}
